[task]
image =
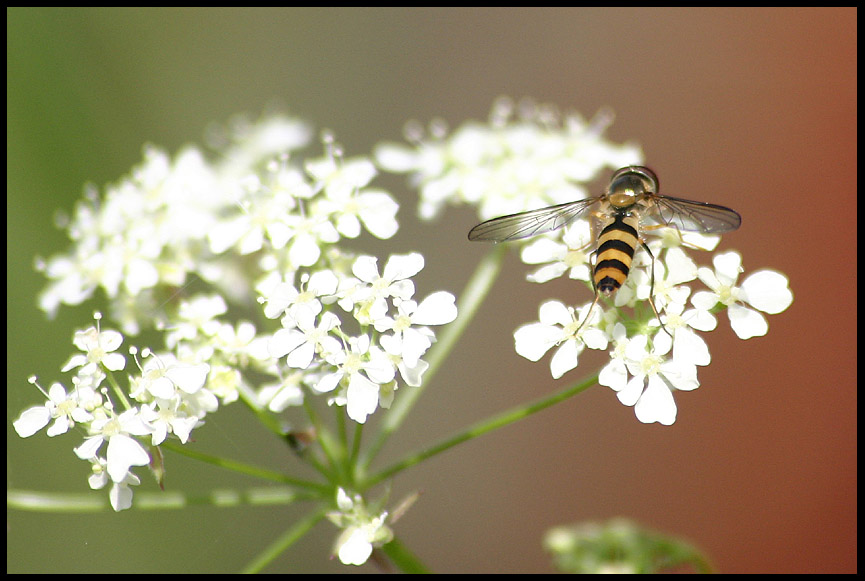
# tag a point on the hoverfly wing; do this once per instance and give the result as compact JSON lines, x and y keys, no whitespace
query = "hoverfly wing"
{"x":693,"y":216}
{"x":531,"y":223}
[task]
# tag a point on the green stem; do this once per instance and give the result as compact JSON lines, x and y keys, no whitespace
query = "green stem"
{"x":402,"y":558}
{"x":247,"y":468}
{"x":281,"y":544}
{"x":93,"y":502}
{"x":470,"y":301}
{"x":481,"y":428}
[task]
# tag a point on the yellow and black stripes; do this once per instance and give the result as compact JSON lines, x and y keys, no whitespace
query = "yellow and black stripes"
{"x":616,"y":246}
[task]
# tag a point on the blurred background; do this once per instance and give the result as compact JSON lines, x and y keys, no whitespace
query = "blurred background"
{"x":755,"y":109}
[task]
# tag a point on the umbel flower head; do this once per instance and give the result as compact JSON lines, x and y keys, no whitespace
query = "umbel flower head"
{"x":528,"y":157}
{"x":238,"y":261}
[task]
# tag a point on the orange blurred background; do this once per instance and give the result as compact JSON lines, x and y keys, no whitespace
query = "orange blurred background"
{"x":755,"y":109}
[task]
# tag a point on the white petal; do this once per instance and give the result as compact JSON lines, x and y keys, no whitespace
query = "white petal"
{"x":656,"y":404}
{"x":614,"y":375}
{"x":110,"y":340}
{"x":365,"y":268}
{"x":323,"y":282}
{"x":356,"y":549}
{"x":89,"y":448}
{"x":747,"y":323}
{"x":554,"y":313}
{"x":402,"y":266}
{"x":728,"y":266}
{"x":547,"y":273}
{"x":565,"y":358}
{"x":632,"y":391}
{"x":284,"y":341}
{"x":304,"y":250}
{"x":32,"y":420}
{"x":328,"y":382}
{"x":301,"y":356}
{"x":361,"y":398}
{"x":189,"y":378}
{"x":120,"y":496}
{"x":124,"y":452}
{"x":395,"y":157}
{"x":114,"y":361}
{"x":543,"y":250}
{"x":767,"y":291}
{"x":533,"y":340}
{"x":379,"y":368}
{"x":682,"y":376}
{"x":704,"y":300}
{"x":690,"y":347}
{"x":436,"y":309}
{"x":378,"y":213}
{"x":413,"y":375}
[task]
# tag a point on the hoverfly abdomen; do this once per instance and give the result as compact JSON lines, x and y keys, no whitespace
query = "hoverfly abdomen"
{"x":617,"y":243}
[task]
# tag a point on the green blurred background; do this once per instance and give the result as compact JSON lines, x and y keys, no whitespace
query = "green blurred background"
{"x":754,"y":109}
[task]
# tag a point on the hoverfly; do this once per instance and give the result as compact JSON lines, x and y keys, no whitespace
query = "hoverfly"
{"x":630,"y":206}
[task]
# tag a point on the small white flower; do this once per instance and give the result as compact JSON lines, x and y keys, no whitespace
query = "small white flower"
{"x":571,"y":255}
{"x":168,"y":417}
{"x":411,"y":338}
{"x":394,"y":282}
{"x":123,"y":450}
{"x":300,"y":344}
{"x":98,"y":346}
{"x":765,"y":290}
{"x":562,"y":326}
{"x":284,"y":297}
{"x":162,"y":376}
{"x":362,"y":531}
{"x":363,"y":368}
{"x":654,"y":377}
{"x":65,"y":409}
{"x":350,"y":202}
{"x":196,"y":316}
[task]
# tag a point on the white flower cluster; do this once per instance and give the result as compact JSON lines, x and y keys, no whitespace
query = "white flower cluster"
{"x":647,"y":362}
{"x":259,"y":234}
{"x":359,"y":371}
{"x":514,"y":164}
{"x":524,"y":158}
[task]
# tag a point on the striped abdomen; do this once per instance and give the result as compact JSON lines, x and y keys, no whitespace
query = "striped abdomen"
{"x":616,"y":245}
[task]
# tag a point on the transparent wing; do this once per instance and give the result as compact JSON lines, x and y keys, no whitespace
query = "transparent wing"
{"x":531,"y":223}
{"x":693,"y":216}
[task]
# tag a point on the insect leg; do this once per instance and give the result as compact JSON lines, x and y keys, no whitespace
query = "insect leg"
{"x":597,"y":295}
{"x":652,"y":290}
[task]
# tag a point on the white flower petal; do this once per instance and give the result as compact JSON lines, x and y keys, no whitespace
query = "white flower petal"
{"x":632,"y":391}
{"x":356,"y":549}
{"x":361,"y":398}
{"x":767,"y":291}
{"x":533,"y":340}
{"x":124,"y":452}
{"x":728,"y":266}
{"x":189,"y":378}
{"x":436,"y":309}
{"x":614,"y":375}
{"x":747,"y":323}
{"x":31,"y":421}
{"x":656,"y":404}
{"x":565,"y":358}
{"x":402,"y":266}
